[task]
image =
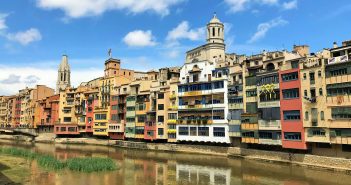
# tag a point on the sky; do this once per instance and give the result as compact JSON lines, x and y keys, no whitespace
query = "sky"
{"x":150,"y":34}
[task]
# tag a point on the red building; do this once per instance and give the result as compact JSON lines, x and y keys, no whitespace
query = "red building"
{"x":291,"y":108}
{"x":118,"y":116}
{"x":48,"y":113}
{"x":90,"y":105}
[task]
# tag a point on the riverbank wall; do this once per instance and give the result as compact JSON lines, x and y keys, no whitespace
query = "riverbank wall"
{"x":307,"y":160}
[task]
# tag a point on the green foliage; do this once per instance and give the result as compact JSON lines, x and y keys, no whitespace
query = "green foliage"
{"x":90,"y":164}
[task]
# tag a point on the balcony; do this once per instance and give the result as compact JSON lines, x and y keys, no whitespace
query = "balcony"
{"x":249,"y":126}
{"x":171,"y":131}
{"x":340,"y":140}
{"x":338,"y":100}
{"x":249,"y":140}
{"x":172,"y":96}
{"x":173,"y":107}
{"x":236,"y":106}
{"x":115,"y":128}
{"x":310,"y":99}
{"x":172,"y":121}
{"x":197,"y":106}
{"x":270,"y":141}
{"x":269,"y":125}
{"x":195,"y":121}
{"x":339,"y":59}
{"x":268,"y":104}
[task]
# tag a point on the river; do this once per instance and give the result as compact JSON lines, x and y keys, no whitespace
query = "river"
{"x":162,"y":168}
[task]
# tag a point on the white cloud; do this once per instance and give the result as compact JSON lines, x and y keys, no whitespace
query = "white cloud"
{"x":263,"y":28}
{"x":3,"y":21}
{"x":183,"y":31}
{"x":242,"y":5}
{"x":139,"y":38}
{"x":290,"y":5}
{"x":25,"y":37}
{"x":42,"y":75}
{"x":84,"y":8}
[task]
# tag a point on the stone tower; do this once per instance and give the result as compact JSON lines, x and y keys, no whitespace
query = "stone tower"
{"x":215,"y":31}
{"x":63,"y":75}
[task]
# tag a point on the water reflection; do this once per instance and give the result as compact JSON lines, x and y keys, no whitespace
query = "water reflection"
{"x":162,"y":168}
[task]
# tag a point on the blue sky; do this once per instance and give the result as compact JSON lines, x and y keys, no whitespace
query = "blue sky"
{"x":148,"y":34}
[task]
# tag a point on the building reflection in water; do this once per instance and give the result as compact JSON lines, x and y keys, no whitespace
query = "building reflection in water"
{"x":195,"y":174}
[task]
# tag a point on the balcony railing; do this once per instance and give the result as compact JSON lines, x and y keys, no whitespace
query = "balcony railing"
{"x":339,"y":59}
{"x":172,"y":96}
{"x":195,"y":121}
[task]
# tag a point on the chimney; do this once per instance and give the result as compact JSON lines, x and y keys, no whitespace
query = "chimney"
{"x":335,"y":45}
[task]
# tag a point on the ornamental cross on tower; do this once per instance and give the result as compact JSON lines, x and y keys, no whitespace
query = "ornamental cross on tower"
{"x":109,"y":53}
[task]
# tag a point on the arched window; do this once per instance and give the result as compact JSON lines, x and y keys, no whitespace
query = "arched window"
{"x":64,"y":76}
{"x":322,"y":115}
{"x":218,"y":32}
{"x":213,"y":32}
{"x":306,"y":115}
{"x":320,"y":92}
{"x":61,"y":76}
{"x":270,"y":67}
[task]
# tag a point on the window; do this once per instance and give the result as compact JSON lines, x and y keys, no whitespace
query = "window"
{"x":292,"y":136}
{"x":160,"y":96}
{"x":183,"y":131}
{"x":114,"y":107}
{"x":195,"y":78}
{"x":319,"y":74}
{"x":291,"y":93}
{"x":291,"y":115}
{"x":160,"y":107}
{"x":339,"y":89}
{"x":318,"y":132}
{"x":172,"y":115}
{"x":338,"y":72}
{"x":305,"y":93}
{"x":251,"y":93}
{"x":141,"y":118}
{"x":320,"y":92}
{"x":114,"y":117}
{"x":265,"y":135}
{"x":203,"y":131}
{"x":341,"y":113}
{"x":312,"y":76}
{"x":100,"y":116}
{"x":63,"y":129}
{"x":274,"y":96}
{"x":193,"y":131}
{"x":248,"y":134}
{"x":290,"y":76}
{"x":304,"y":76}
{"x":160,"y":131}
{"x":130,"y":108}
{"x":131,"y":120}
{"x":218,"y":131}
{"x":67,"y":119}
{"x":218,"y":85}
{"x":322,"y":115}
{"x":90,"y":119}
{"x":72,"y":129}
{"x":294,"y":64}
{"x":306,"y":115}
{"x":160,"y":118}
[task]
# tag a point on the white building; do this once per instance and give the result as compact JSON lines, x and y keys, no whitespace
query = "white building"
{"x":202,"y":92}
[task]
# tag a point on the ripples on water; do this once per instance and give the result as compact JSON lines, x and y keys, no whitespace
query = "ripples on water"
{"x":163,"y":168}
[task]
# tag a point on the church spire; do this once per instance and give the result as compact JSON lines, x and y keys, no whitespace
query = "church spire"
{"x":215,"y":30}
{"x":63,"y":75}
